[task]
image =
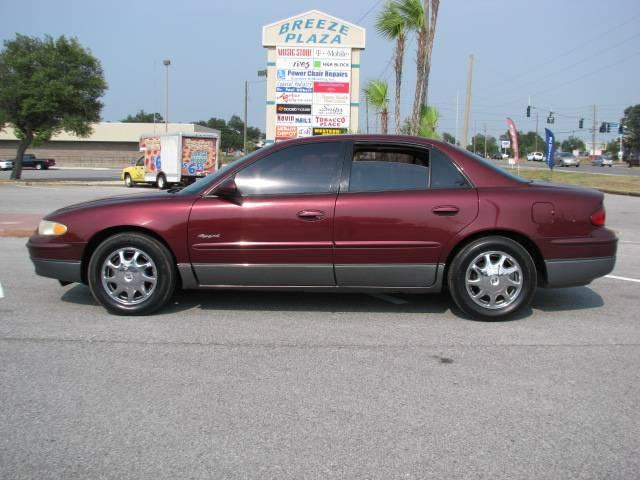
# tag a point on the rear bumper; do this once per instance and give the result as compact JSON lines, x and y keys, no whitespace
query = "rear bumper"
{"x":576,"y":272}
{"x":64,"y":270}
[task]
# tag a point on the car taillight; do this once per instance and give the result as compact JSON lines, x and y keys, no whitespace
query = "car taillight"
{"x":598,"y":217}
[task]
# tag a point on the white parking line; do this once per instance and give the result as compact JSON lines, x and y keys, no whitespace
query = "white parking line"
{"x":389,"y":298}
{"x":626,"y":279}
{"x":9,"y":223}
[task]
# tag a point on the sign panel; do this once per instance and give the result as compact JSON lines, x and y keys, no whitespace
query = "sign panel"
{"x":329,"y":109}
{"x":198,"y":156}
{"x":293,"y":108}
{"x":313,"y":91}
{"x":329,"y":131}
{"x":505,"y":143}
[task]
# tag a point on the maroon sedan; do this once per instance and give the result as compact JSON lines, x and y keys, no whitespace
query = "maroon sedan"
{"x":352,"y":212}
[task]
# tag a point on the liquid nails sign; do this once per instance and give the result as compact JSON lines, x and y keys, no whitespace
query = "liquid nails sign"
{"x":313,"y":91}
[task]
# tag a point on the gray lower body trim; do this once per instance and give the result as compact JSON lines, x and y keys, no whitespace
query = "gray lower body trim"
{"x":396,"y":275}
{"x":576,"y":272}
{"x":65,"y":270}
{"x":187,"y":276}
{"x":360,"y":278}
{"x":286,"y":275}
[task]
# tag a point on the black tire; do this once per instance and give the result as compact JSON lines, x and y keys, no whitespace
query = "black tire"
{"x":154,"y":252}
{"x":127,"y":181}
{"x":161,"y":182}
{"x":461,"y":267}
{"x":39,"y":166}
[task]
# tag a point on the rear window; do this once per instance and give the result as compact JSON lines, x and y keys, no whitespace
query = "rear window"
{"x":492,"y":166}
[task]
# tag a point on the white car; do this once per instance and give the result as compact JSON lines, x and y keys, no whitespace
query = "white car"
{"x":535,"y":157}
{"x":6,"y":164}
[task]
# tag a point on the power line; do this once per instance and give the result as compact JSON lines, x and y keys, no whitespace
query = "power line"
{"x":369,"y":11}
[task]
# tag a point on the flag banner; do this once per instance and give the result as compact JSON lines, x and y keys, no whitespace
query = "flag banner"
{"x":550,"y":146}
{"x":513,"y":132}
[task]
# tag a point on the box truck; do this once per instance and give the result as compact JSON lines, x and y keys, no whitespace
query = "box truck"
{"x":179,"y":158}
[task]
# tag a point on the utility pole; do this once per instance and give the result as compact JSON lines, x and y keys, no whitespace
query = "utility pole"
{"x":593,"y":132}
{"x":536,"y":130}
{"x":166,"y":63}
{"x":467,"y":103}
{"x":246,"y":96}
{"x":485,"y":140}
{"x":366,"y":109}
{"x":457,"y":139}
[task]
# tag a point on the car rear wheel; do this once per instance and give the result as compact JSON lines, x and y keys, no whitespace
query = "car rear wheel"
{"x":127,"y":180}
{"x":161,"y":182}
{"x":39,"y":166}
{"x":492,"y":278}
{"x":131,"y":274}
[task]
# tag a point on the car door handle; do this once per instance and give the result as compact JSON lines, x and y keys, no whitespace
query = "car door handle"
{"x":311,"y":214}
{"x":445,"y":210}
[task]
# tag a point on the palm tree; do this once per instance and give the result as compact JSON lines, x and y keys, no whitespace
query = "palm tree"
{"x":392,"y":25}
{"x":376,"y":93}
{"x":416,"y":15}
{"x":428,"y":121}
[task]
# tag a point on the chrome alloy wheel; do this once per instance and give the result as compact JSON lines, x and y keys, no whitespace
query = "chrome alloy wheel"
{"x":494,"y":280}
{"x":129,"y":276}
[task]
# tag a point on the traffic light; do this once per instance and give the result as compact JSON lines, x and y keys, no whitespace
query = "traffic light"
{"x":608,"y":127}
{"x":621,"y":128}
{"x":581,"y":123}
{"x":550,"y":118}
{"x":528,"y":110}
{"x":603,"y":127}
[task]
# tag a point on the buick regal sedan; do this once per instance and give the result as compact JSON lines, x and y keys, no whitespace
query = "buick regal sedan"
{"x":352,"y":213}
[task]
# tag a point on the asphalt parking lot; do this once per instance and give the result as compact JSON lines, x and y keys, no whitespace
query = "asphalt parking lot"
{"x":282,"y":385}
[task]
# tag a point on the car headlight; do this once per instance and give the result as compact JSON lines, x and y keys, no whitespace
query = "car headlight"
{"x":47,"y":227}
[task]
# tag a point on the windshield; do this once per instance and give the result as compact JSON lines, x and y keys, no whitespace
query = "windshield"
{"x":204,"y":182}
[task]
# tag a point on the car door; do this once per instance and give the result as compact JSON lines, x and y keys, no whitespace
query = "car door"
{"x":398,"y":206}
{"x":278,"y":231}
{"x":138,"y":170}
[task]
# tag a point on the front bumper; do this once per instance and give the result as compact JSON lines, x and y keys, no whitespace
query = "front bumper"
{"x":576,"y":272}
{"x":63,"y":270}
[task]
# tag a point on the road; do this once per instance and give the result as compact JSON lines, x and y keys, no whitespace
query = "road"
{"x":77,"y":174}
{"x":281,"y":385}
{"x":585,"y":167}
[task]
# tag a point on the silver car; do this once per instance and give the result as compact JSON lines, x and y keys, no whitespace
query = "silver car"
{"x":6,"y":164}
{"x":566,"y":159}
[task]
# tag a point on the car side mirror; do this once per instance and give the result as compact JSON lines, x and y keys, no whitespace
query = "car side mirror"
{"x":227,"y":189}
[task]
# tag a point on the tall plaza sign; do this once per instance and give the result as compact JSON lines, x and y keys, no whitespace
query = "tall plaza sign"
{"x":313,"y":76}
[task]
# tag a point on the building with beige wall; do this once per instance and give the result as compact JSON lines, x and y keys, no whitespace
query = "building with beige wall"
{"x":112,"y":144}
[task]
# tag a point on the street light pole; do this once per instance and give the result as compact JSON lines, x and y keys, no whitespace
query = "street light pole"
{"x":246,"y":95}
{"x":166,"y":63}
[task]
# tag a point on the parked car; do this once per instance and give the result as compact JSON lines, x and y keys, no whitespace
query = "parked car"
{"x":566,"y":159}
{"x":535,"y":157}
{"x":133,"y":174}
{"x":6,"y":164}
{"x":359,"y":213}
{"x":605,"y":160}
{"x":29,"y":160}
{"x":633,"y":159}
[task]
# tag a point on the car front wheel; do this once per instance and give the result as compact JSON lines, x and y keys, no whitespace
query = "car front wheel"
{"x":492,"y":278}
{"x":127,"y":180}
{"x":131,"y":274}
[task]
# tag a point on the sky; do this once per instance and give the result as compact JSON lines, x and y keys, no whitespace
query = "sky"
{"x":563,"y":55}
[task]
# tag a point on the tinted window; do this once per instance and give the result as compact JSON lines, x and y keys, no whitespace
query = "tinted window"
{"x":444,"y":173}
{"x":140,"y":162}
{"x":311,"y":168}
{"x":379,"y":169}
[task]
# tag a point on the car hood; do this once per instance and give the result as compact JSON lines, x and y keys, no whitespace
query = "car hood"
{"x":136,"y":199}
